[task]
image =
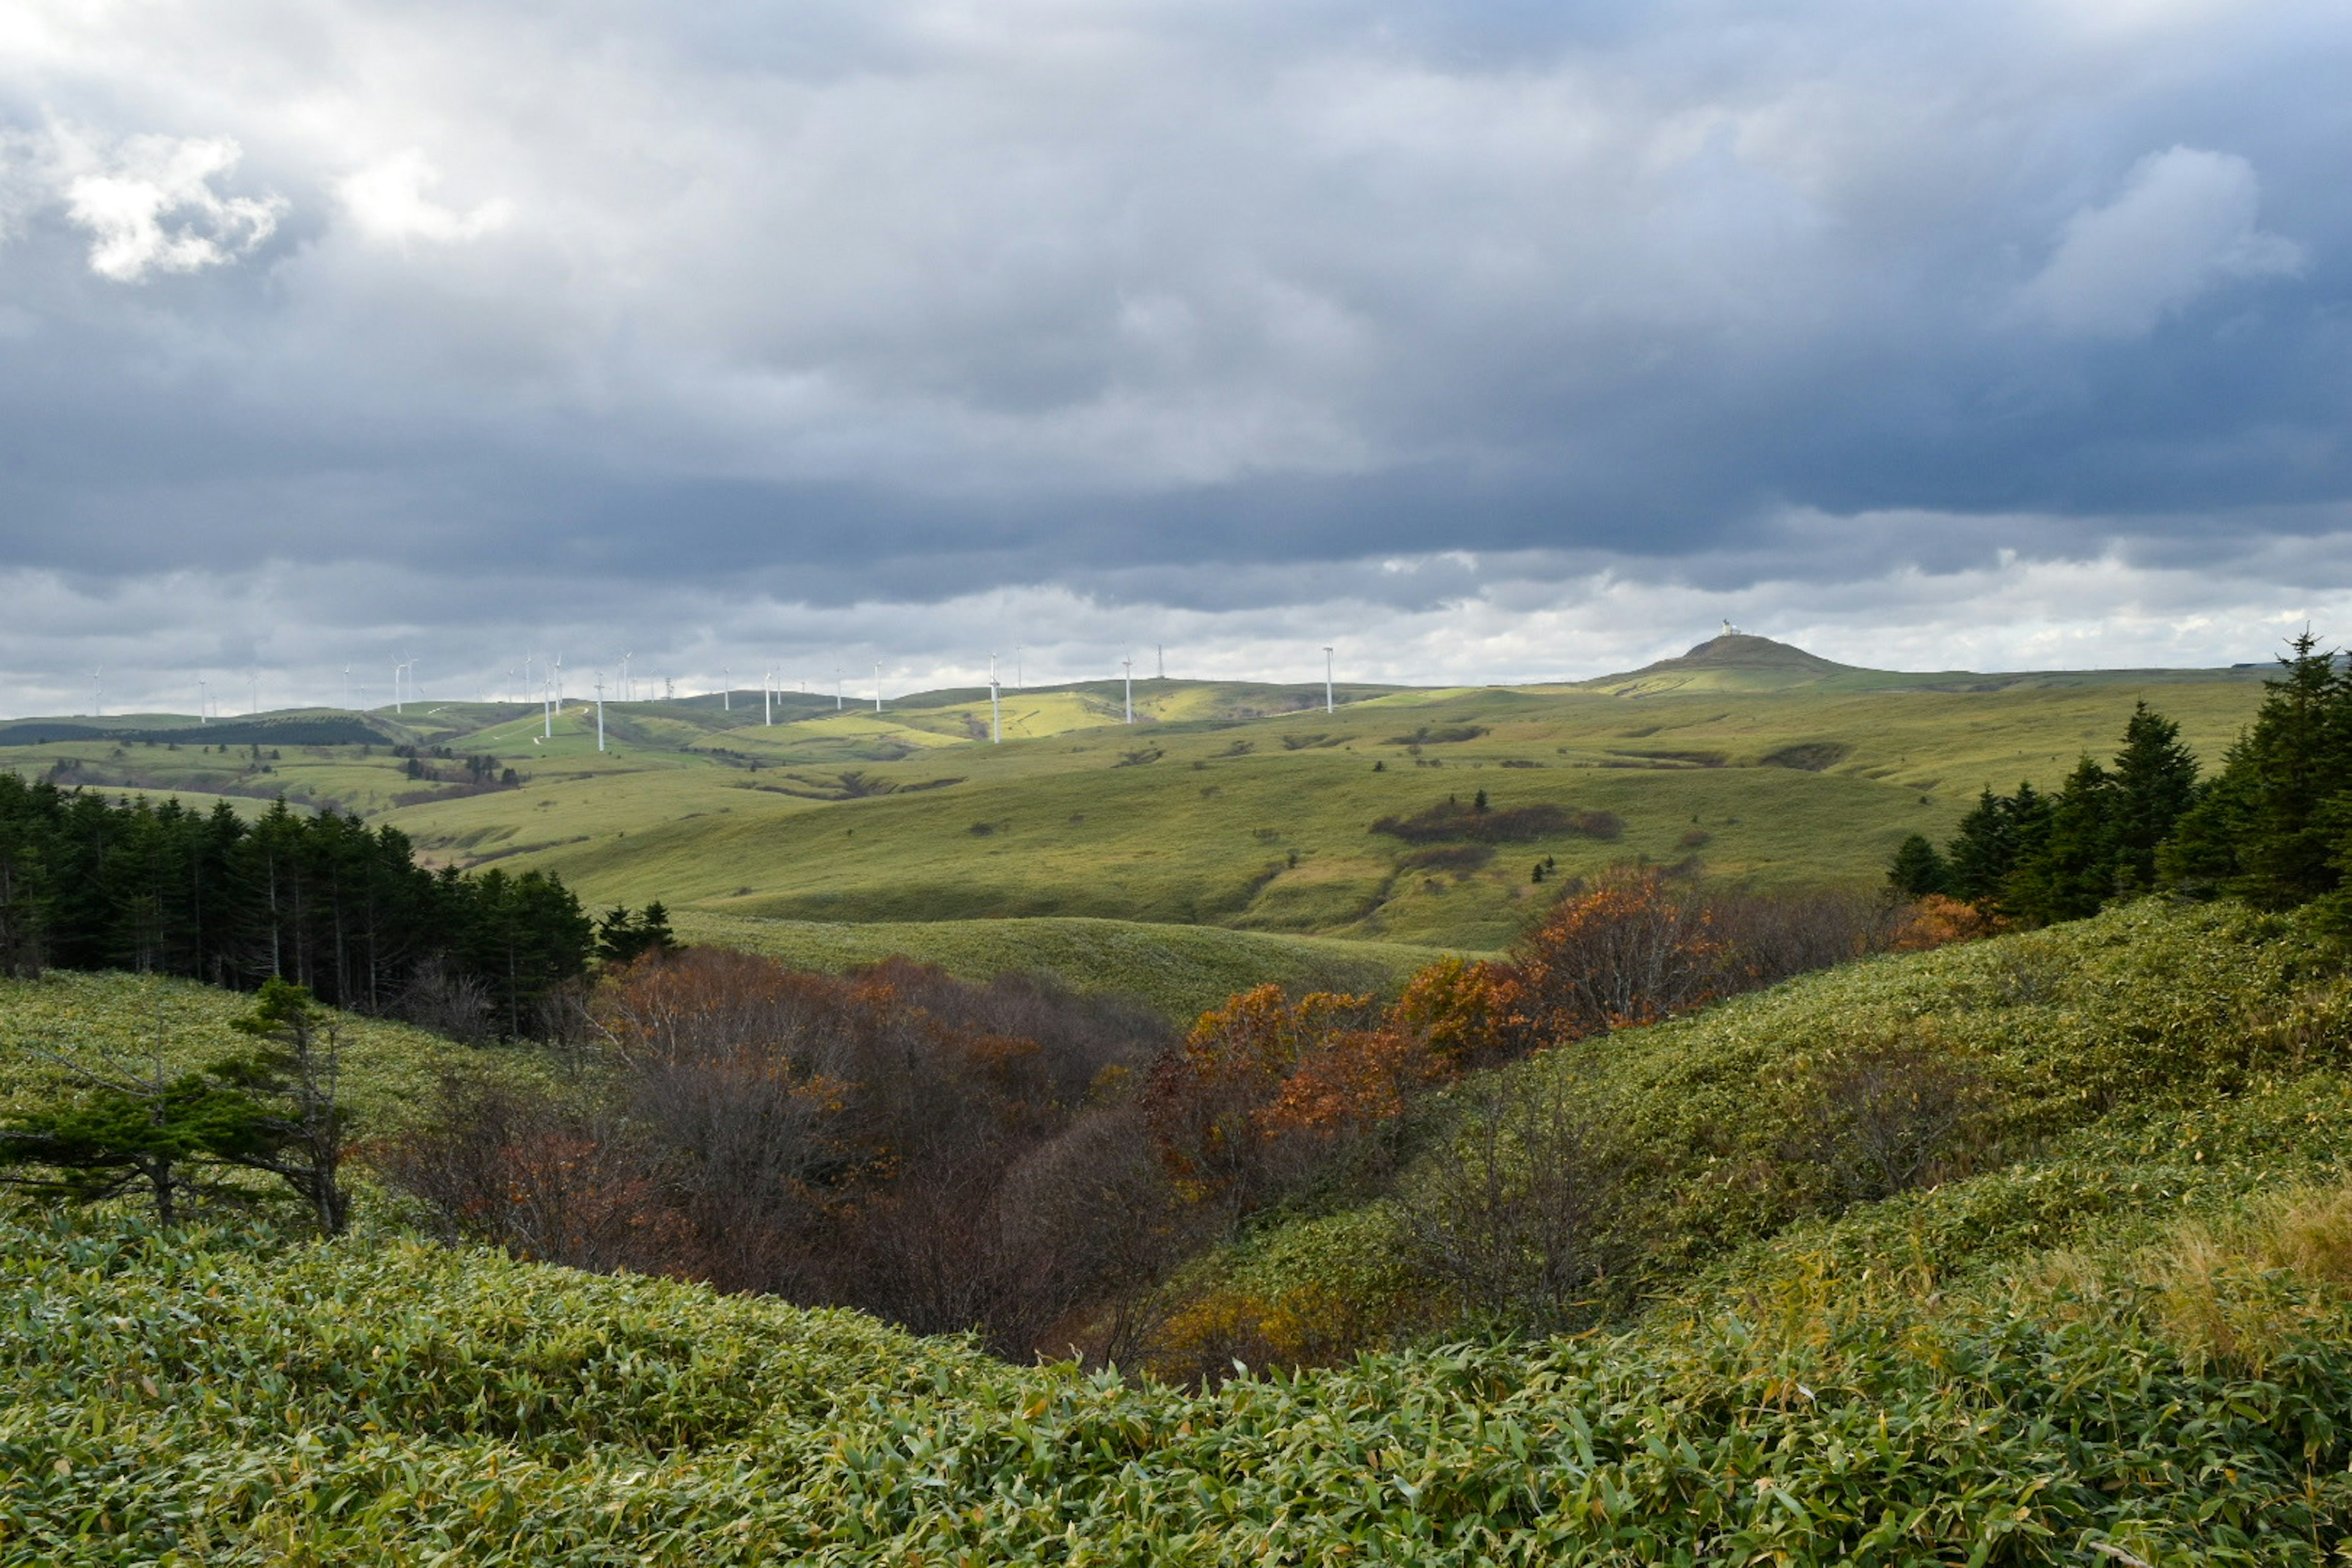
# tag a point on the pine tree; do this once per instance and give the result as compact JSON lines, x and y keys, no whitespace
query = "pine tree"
{"x":295,"y":1075}
{"x":1983,"y":850}
{"x":2267,"y":831}
{"x":1916,"y":870}
{"x":2155,"y":784}
{"x":2069,"y":871}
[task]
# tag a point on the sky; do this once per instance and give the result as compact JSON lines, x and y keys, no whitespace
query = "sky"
{"x":1482,"y":340}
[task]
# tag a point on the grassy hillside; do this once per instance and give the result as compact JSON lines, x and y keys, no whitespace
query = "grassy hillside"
{"x":2085,"y":1087}
{"x":2119,"y":1328}
{"x":118,"y":1023}
{"x":1181,"y":971}
{"x":1226,"y":804}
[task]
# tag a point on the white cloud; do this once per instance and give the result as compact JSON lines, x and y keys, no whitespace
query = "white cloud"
{"x":388,"y":201}
{"x":2183,"y":224}
{"x":149,"y":205}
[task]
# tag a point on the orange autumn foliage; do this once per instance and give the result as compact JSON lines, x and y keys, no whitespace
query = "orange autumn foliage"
{"x":1936,"y":921}
{"x":1628,"y":951}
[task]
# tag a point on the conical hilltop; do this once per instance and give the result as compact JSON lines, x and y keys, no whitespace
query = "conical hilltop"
{"x":1736,"y":661}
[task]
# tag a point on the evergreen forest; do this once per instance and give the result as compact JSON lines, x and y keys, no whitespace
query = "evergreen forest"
{"x":321,"y":901}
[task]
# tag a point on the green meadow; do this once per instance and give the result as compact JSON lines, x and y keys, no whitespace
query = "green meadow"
{"x":1225,"y":804}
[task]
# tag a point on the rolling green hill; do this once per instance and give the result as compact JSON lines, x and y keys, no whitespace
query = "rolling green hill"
{"x":1227,"y":803}
{"x":2098,"y":1081}
{"x":1180,"y":971}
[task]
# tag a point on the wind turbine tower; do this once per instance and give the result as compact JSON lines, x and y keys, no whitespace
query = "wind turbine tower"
{"x":878,"y":689}
{"x":1129,"y":665}
{"x":347,"y":686}
{"x":726,"y":690}
{"x":97,"y":692}
{"x":768,"y":696}
{"x":996,"y":707}
{"x":1159,"y":652}
{"x":547,"y":708}
{"x":836,"y":686}
{"x":1017,"y":684}
{"x":628,"y":692}
{"x":600,"y":709}
{"x":1329,"y":705}
{"x":203,"y":701}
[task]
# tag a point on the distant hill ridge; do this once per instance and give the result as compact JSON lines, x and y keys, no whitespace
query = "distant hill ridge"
{"x":1741,"y":661}
{"x":1732,"y":661}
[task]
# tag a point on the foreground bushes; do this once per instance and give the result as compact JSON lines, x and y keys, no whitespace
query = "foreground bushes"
{"x":230,"y":1400}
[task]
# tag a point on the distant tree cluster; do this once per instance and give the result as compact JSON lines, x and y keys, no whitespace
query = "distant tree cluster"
{"x":2272,"y":828}
{"x":1450,"y":821}
{"x":623,"y":936}
{"x":319,"y":902}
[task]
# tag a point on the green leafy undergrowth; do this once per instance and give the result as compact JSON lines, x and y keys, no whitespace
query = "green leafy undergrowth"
{"x":214,"y":1398}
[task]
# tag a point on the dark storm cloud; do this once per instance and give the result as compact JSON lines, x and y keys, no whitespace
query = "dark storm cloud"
{"x":1203,"y":308}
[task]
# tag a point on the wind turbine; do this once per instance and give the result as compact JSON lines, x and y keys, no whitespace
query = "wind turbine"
{"x":1129,"y":665}
{"x":347,"y":686}
{"x":97,"y":692}
{"x":1160,"y":652}
{"x":600,"y":709}
{"x":559,"y":683}
{"x":726,"y":690}
{"x":877,"y":687}
{"x":547,"y":707}
{"x":203,"y":701}
{"x":768,"y":696}
{"x":1017,"y":684}
{"x":256,"y":691}
{"x":996,"y":707}
{"x":628,"y":692}
{"x":836,"y":686}
{"x":1329,"y":705}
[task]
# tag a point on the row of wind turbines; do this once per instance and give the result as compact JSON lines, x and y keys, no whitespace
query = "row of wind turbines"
{"x":551,"y":690}
{"x":770,"y":687}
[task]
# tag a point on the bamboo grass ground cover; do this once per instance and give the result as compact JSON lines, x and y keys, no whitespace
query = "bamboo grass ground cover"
{"x":213,"y":1398}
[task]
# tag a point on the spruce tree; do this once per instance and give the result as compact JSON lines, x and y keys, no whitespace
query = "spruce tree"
{"x":2068,"y":871}
{"x":2155,"y":784}
{"x":1916,"y":870}
{"x":2269,"y":829}
{"x":1982,"y":850}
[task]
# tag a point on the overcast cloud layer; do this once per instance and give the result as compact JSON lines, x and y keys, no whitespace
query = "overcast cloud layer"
{"x":1484,"y":340}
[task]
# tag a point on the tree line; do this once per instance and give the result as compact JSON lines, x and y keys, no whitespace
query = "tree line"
{"x":323,"y":902}
{"x":2273,"y":826}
